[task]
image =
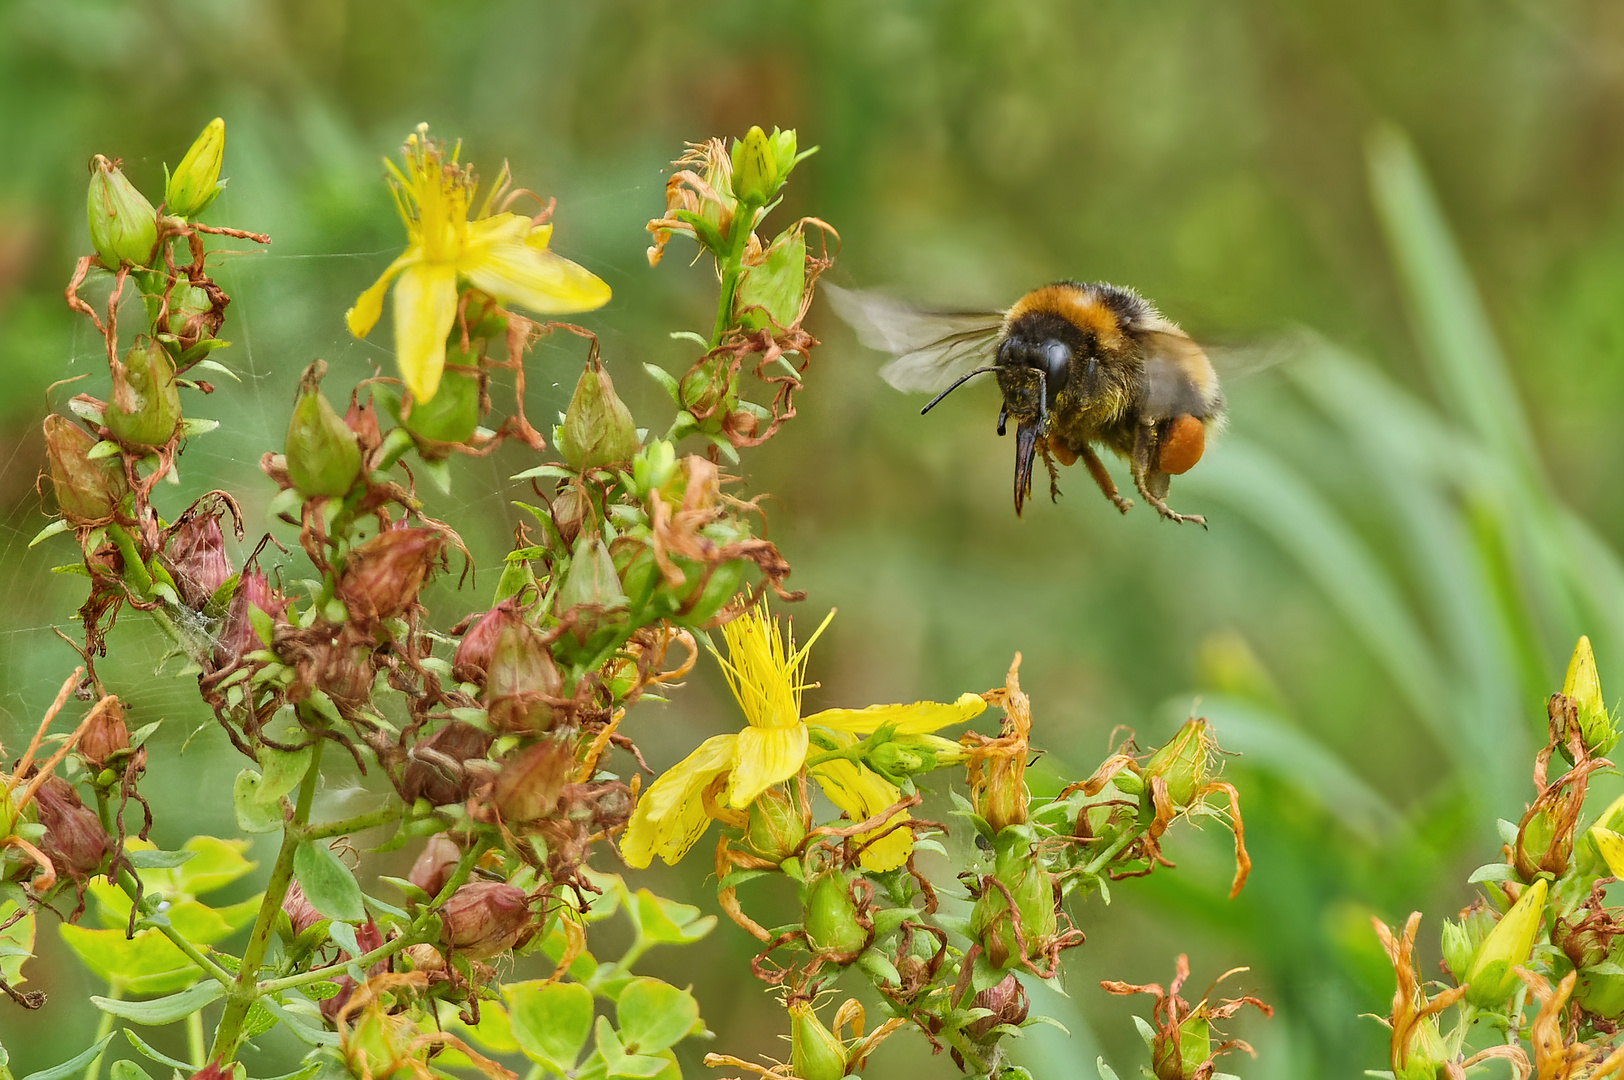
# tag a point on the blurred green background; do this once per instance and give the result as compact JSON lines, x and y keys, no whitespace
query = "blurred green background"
{"x":1399,"y":225}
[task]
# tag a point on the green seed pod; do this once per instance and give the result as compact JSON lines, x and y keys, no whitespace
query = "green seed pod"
{"x":591,"y":578}
{"x":196,"y":180}
{"x":598,"y":429}
{"x":521,"y":678}
{"x":815,"y":1053}
{"x":1424,"y":1055}
{"x":123,"y":225}
{"x":1185,"y":763}
{"x":529,"y":783}
{"x":323,"y":454}
{"x":145,"y":407}
{"x":830,"y":915}
{"x":452,"y":414}
{"x":87,"y":489}
{"x":1600,"y":989}
{"x":1030,"y":887}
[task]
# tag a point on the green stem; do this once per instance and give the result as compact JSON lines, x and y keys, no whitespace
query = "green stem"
{"x":176,"y":938}
{"x":732,"y":270}
{"x":1111,"y":852}
{"x":194,"y":1038}
{"x":333,"y":971}
{"x":116,"y":992}
{"x":369,"y":820}
{"x":244,"y":990}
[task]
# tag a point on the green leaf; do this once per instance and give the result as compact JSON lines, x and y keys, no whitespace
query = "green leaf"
{"x":654,"y":1015}
{"x":1495,"y":871}
{"x":73,"y":1065}
{"x":60,"y":525}
{"x":280,"y":772}
{"x":148,"y":963}
{"x":620,"y":1063}
{"x":19,"y":935}
{"x":164,"y":1010}
{"x":772,"y":291}
{"x":125,"y":1069}
{"x":215,"y":365}
{"x":141,"y":1046}
{"x":159,"y":860}
{"x":218,"y":863}
{"x":327,"y":882}
{"x":666,"y":921}
{"x":191,"y":426}
{"x":254,"y":815}
{"x":550,"y":1021}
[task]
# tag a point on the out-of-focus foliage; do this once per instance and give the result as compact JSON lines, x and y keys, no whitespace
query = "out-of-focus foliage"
{"x":1398,"y":562}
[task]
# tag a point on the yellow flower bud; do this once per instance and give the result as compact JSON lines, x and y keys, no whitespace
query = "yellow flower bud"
{"x":196,"y":180}
{"x":1491,"y":981}
{"x":1582,"y":688}
{"x":755,"y":168}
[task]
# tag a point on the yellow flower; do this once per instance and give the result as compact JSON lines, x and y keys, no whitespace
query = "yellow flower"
{"x":502,"y":254}
{"x":765,"y":675}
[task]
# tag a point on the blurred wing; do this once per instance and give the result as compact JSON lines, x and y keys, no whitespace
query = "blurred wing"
{"x":1178,"y":377}
{"x":931,"y":348}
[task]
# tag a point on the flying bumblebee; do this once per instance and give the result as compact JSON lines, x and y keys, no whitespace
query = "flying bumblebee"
{"x":1078,"y":365}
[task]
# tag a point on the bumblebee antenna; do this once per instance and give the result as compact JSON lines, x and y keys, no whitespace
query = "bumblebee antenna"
{"x":960,"y":381}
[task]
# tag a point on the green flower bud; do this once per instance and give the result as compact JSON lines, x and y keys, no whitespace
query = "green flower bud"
{"x":755,"y":168}
{"x":814,"y":1052}
{"x":196,"y":180}
{"x":145,"y":407}
{"x":123,"y":225}
{"x":776,"y":827}
{"x":87,"y":489}
{"x":654,"y":467}
{"x":591,"y":578}
{"x":1461,"y":940}
{"x":452,"y":414}
{"x":323,"y":454}
{"x":1490,"y":978}
{"x":1582,"y":688}
{"x":1185,"y":763}
{"x":598,"y":429}
{"x":831,"y":917}
{"x":913,"y":754}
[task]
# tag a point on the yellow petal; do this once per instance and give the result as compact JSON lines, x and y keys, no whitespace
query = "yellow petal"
{"x":915,"y":719}
{"x":670,"y":816}
{"x":425,"y":308}
{"x":501,"y":260}
{"x":767,"y":756}
{"x":862,"y":794}
{"x":369,"y":305}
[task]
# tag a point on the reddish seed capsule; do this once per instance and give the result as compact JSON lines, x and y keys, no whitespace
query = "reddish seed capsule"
{"x":87,"y":489}
{"x":478,"y":645}
{"x":520,"y":679}
{"x":1008,"y":1002}
{"x":531,"y":780}
{"x":435,"y":864}
{"x":106,"y":735}
{"x":196,"y":556}
{"x":237,"y":635}
{"x":437,"y":770}
{"x":382,"y":577}
{"x":302,"y":915}
{"x":74,"y":838}
{"x":484,"y":918}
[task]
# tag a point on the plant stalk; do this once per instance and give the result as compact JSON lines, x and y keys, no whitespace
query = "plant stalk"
{"x":244,"y":989}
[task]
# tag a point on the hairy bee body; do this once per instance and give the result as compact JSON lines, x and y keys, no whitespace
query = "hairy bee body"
{"x":1079,"y":365}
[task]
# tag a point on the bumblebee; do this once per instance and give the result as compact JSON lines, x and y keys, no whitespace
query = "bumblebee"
{"x":1079,"y":365}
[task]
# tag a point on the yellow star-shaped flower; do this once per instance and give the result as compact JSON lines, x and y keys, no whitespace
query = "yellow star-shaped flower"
{"x":765,"y":675}
{"x":502,"y":254}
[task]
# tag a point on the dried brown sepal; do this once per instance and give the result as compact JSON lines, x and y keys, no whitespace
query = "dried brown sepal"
{"x":1171,"y":1013}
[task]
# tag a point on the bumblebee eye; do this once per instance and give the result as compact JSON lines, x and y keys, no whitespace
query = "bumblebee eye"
{"x":1056,"y":357}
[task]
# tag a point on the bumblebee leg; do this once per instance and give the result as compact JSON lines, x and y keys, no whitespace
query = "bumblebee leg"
{"x":1054,"y":475}
{"x":1096,"y":469}
{"x":1152,"y":482}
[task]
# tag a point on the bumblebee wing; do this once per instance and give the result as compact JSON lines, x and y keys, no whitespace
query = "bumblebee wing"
{"x":931,"y":349}
{"x":1178,"y":377}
